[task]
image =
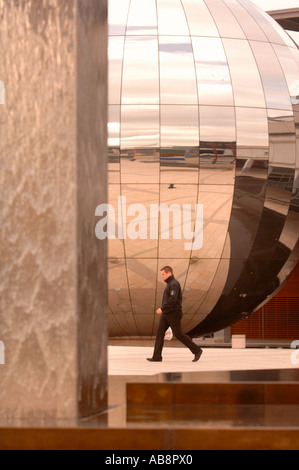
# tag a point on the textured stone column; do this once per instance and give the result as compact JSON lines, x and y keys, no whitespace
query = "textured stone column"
{"x":53,"y":312}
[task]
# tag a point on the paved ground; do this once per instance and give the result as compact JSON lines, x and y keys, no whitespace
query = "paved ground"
{"x":128,"y":360}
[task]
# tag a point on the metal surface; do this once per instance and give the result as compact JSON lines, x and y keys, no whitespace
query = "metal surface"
{"x":203,"y":110}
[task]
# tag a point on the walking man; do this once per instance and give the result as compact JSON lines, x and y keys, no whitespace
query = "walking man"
{"x":171,"y":315}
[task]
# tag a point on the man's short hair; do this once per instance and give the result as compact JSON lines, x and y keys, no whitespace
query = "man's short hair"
{"x":167,"y":269}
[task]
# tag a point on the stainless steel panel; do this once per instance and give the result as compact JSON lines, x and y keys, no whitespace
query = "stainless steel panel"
{"x":116,"y":249}
{"x":140,"y":84}
{"x":138,"y":221}
{"x":200,"y":20}
{"x":217,"y":147}
{"x":289,"y":235}
{"x":114,"y":126}
{"x":282,"y":138}
{"x":271,"y":28}
{"x":114,"y":144}
{"x":140,"y":165}
{"x":199,"y":119}
{"x":249,"y":25}
{"x":179,"y":126}
{"x":119,"y":297}
{"x":225,"y":21}
{"x":245,"y":75}
{"x":217,"y":124}
{"x":217,"y":206}
{"x":213,"y":77}
{"x":177,"y":72}
{"x":273,"y":78}
{"x":140,"y":127}
{"x":179,"y":165}
{"x":200,"y":277}
{"x":290,"y":70}
{"x":172,"y":18}
{"x":252,"y":130}
{"x":177,"y":223}
{"x":212,"y":298}
{"x":118,"y":14}
{"x":142,"y":278}
{"x":217,"y":163}
{"x":116,"y":52}
{"x":142,"y":19}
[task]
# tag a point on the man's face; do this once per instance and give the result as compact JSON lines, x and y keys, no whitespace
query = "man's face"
{"x":165,"y":275}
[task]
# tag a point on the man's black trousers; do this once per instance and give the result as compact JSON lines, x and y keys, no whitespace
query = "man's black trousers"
{"x":172,"y":320}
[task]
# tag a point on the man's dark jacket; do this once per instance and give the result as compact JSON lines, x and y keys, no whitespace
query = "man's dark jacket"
{"x":172,"y":297}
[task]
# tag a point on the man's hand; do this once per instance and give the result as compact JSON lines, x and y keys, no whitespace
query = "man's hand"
{"x":159,"y":311}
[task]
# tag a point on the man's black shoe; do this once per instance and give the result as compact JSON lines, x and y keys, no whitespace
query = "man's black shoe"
{"x":151,"y":359}
{"x":197,"y":355}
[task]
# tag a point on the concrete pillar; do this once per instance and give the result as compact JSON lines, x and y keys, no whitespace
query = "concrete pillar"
{"x":53,"y":293}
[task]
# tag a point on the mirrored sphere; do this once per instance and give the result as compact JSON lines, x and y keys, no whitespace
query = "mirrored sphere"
{"x":203,"y":160}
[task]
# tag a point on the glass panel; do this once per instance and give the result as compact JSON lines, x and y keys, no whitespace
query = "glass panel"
{"x":116,"y":50}
{"x":140,"y":127}
{"x":118,"y":13}
{"x":179,"y":126}
{"x":247,"y":85}
{"x":247,"y":22}
{"x":252,"y":130}
{"x":214,"y":84}
{"x":139,"y":224}
{"x":171,"y":18}
{"x":142,"y":18}
{"x":225,"y":21}
{"x":141,"y":71}
{"x":275,"y":86}
{"x":177,"y":72}
{"x":199,"y":18}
